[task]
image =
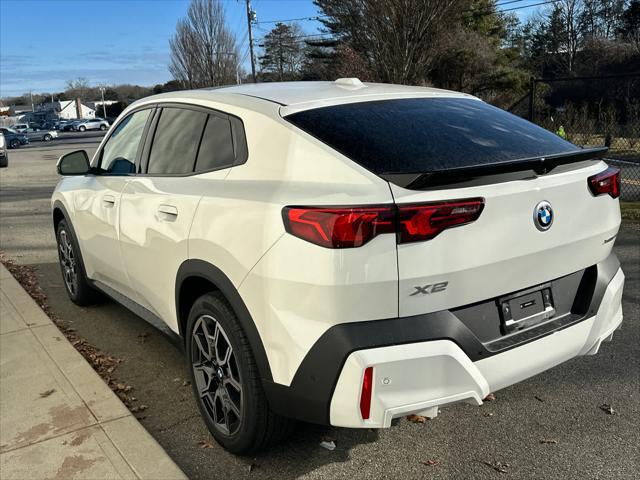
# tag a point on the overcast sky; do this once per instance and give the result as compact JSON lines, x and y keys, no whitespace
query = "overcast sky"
{"x":45,"y":43}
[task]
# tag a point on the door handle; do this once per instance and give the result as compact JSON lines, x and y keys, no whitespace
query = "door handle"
{"x":109,"y":201}
{"x":168,"y":212}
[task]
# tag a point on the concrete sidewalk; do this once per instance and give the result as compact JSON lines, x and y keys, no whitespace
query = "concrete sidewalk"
{"x":58,"y":419}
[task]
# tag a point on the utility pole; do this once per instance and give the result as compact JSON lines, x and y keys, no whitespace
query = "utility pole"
{"x":104,"y":107}
{"x":31,"y":95}
{"x":251,"y":16}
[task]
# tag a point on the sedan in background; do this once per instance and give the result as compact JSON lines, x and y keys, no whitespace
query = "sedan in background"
{"x":14,"y":138}
{"x":92,"y":124}
{"x":68,"y":125}
{"x":19,"y":127}
{"x":35,"y":134}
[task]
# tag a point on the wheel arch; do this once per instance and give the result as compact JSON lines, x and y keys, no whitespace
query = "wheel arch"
{"x":59,"y":212}
{"x":196,"y":277}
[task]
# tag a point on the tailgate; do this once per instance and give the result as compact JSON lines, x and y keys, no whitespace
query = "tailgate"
{"x":503,"y":251}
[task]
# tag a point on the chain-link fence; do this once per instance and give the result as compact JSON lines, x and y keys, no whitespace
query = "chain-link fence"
{"x":592,"y":111}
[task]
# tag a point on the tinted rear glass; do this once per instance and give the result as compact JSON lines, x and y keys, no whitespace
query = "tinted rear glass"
{"x":417,"y":135}
{"x":176,"y":140}
{"x":216,"y":149}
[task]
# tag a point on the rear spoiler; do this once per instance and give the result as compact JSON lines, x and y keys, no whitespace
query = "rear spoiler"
{"x":510,"y":170}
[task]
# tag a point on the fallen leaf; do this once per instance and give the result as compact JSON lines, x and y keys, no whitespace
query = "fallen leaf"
{"x":431,"y":463}
{"x":206,"y":443}
{"x":417,"y":418}
{"x":538,"y":398}
{"x":548,"y":440}
{"x":497,"y":466}
{"x":489,"y":414}
{"x":490,"y":398}
{"x":252,"y":467}
{"x":186,"y":383}
{"x":47,"y":393}
{"x":605,"y":407}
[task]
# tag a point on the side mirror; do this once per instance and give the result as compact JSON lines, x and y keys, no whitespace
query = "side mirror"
{"x":74,"y":163}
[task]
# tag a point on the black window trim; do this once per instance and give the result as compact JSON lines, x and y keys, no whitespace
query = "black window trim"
{"x":238,"y":137}
{"x":98,"y":155}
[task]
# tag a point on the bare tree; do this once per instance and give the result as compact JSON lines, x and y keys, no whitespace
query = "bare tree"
{"x":77,"y":88}
{"x":399,"y":36}
{"x":203,"y":50}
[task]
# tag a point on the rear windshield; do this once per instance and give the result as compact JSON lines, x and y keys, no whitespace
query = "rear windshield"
{"x":418,"y":135}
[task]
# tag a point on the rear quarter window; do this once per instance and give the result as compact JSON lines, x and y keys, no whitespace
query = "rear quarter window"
{"x":418,"y":135}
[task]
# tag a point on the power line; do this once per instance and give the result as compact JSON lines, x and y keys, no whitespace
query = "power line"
{"x":509,"y":2}
{"x":285,"y":20}
{"x":529,"y":6}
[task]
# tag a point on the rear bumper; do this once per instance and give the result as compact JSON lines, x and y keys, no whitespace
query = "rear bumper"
{"x":420,"y":377}
{"x":430,"y":360}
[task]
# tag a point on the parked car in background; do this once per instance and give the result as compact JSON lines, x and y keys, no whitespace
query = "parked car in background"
{"x":14,"y":138}
{"x":91,"y":124}
{"x":36,"y":134}
{"x":69,"y":124}
{"x":345,"y":253}
{"x":19,"y":127}
{"x":60,"y":124}
{"x":4,"y":155}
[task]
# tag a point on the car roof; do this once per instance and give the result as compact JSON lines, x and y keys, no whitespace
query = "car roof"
{"x":296,"y":96}
{"x":291,"y":97}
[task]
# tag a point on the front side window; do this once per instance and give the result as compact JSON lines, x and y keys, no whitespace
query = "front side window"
{"x":176,"y":140}
{"x":119,"y":153}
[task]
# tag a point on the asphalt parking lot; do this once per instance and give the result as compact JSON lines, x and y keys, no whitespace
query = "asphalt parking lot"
{"x":560,"y":407}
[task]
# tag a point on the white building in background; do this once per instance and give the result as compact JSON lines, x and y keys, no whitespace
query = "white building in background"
{"x":66,"y":109}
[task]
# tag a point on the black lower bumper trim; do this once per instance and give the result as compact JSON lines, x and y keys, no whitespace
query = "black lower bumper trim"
{"x":309,"y":396}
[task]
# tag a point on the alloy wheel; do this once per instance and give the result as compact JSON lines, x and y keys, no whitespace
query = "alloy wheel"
{"x":216,"y":374}
{"x":68,"y":262}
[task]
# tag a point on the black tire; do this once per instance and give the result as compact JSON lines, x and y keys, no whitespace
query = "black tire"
{"x":47,"y":137}
{"x":74,"y":277}
{"x":4,"y":161}
{"x":257,"y":427}
{"x":15,"y":143}
{"x":82,"y":128}
{"x":103,"y":127}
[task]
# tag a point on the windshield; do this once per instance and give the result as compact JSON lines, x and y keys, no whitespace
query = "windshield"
{"x":418,"y":135}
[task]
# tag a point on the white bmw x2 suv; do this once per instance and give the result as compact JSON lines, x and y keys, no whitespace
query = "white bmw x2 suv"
{"x":344,"y":253}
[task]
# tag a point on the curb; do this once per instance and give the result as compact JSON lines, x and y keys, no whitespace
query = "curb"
{"x":81,"y":428}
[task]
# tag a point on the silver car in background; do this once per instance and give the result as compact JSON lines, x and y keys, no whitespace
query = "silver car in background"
{"x":35,"y":134}
{"x":91,"y":124}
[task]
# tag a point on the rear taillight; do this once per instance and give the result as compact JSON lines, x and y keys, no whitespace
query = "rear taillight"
{"x":423,"y":222}
{"x":348,"y":227}
{"x":606,"y":182}
{"x":365,"y":395}
{"x":339,"y":227}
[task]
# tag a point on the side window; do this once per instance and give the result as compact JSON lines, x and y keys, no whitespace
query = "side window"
{"x":119,"y":153}
{"x":176,"y":140}
{"x":216,"y":149}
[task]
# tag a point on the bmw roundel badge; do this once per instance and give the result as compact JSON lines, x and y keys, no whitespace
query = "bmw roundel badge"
{"x":543,"y":216}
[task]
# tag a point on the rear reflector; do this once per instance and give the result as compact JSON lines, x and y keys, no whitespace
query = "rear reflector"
{"x":348,"y":227}
{"x":606,"y":182}
{"x":365,"y":396}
